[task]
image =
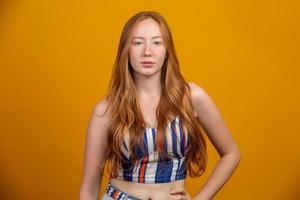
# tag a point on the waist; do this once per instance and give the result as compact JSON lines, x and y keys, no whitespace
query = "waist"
{"x":148,"y":191}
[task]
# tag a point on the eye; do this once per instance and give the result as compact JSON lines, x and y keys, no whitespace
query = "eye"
{"x":137,"y":43}
{"x":158,"y":42}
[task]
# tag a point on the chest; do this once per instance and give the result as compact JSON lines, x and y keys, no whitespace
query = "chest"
{"x":175,"y":142}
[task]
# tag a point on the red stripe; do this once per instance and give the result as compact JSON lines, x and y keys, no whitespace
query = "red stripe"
{"x":143,"y":169}
{"x":116,"y":195}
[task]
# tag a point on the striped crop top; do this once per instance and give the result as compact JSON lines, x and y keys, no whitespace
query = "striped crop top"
{"x":151,"y":168}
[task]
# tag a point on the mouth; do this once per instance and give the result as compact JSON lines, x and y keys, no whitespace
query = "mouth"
{"x":147,"y":62}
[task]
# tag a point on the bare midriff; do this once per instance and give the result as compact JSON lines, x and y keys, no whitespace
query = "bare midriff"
{"x":148,"y":191}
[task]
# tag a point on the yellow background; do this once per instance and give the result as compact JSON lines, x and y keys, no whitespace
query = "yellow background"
{"x":55,"y":63}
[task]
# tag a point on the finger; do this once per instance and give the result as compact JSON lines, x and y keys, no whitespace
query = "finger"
{"x":175,"y":190}
{"x":177,"y":197}
{"x":178,"y":191}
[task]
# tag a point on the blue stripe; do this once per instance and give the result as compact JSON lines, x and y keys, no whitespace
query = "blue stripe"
{"x":154,"y":141}
{"x":164,"y":171}
{"x":174,"y":138}
{"x":127,"y":171}
{"x":182,"y":171}
{"x":177,"y":171}
{"x":127,"y":168}
{"x":145,"y":142}
{"x":181,"y":137}
{"x":119,"y":197}
{"x":113,"y":193}
{"x":141,"y":152}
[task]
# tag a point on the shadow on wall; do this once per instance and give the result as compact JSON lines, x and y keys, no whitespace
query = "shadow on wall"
{"x":6,"y":6}
{"x":8,"y":188}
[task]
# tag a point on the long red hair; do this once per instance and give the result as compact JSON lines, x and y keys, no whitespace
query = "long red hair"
{"x":125,"y":111}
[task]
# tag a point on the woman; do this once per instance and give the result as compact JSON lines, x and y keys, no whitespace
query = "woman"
{"x":148,"y":127}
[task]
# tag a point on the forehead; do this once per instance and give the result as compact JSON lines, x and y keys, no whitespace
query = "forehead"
{"x":147,"y":28}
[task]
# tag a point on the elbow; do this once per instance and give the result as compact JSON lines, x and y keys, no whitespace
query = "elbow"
{"x":238,"y":154}
{"x":235,"y":156}
{"x":88,"y":194}
{"x":83,"y":195}
{"x":238,"y":157}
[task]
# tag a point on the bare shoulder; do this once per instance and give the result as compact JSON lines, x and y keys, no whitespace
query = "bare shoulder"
{"x":198,"y":93}
{"x":202,"y":102}
{"x":100,"y":107}
{"x":99,"y":112}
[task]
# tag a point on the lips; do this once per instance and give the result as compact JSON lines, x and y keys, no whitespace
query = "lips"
{"x":147,"y":62}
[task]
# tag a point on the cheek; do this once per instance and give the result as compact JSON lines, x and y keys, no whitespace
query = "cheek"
{"x":133,"y":55}
{"x":161,"y":53}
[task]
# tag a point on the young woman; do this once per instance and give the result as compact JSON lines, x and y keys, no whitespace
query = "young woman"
{"x":148,"y":128}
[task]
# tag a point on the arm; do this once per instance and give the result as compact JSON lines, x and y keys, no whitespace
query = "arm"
{"x":95,"y":151}
{"x":212,"y":123}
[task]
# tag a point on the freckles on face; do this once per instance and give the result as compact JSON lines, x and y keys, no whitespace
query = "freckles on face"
{"x":147,"y":45}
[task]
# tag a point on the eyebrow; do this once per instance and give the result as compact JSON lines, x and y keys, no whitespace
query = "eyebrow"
{"x":144,"y":38}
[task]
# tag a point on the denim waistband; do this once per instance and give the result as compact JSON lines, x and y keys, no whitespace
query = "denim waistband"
{"x":117,"y":194}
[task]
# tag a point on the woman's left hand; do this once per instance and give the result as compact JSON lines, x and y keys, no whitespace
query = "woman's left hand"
{"x":179,"y":194}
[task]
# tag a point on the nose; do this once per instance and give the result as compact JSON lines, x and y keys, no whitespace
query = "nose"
{"x":147,"y":50}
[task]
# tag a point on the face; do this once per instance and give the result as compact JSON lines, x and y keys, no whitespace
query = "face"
{"x":147,"y":46}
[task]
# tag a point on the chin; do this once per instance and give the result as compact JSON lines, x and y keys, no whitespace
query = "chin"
{"x":152,"y":72}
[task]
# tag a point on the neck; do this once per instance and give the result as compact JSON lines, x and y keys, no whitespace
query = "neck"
{"x":148,"y":86}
